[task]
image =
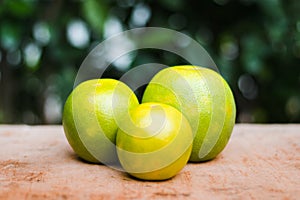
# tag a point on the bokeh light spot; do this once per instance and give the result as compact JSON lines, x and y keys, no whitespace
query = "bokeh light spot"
{"x":245,"y":117}
{"x":123,"y":62}
{"x":52,"y":108}
{"x":30,"y":118}
{"x":183,"y":42}
{"x":114,"y":48}
{"x":41,"y":33}
{"x":140,"y":15}
{"x":229,"y":50}
{"x":32,"y":54}
{"x":292,"y":107}
{"x":112,"y":26}
{"x":13,"y":57}
{"x":78,"y":34}
{"x":248,"y":86}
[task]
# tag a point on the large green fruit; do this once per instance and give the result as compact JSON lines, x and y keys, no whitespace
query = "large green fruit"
{"x":155,"y":143}
{"x":90,"y":118}
{"x":206,"y":100}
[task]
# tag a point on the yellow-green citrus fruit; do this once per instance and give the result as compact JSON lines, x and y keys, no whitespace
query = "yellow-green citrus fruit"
{"x":206,"y":100}
{"x":90,"y":118}
{"x":156,"y":143}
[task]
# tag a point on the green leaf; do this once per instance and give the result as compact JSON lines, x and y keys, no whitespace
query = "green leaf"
{"x":20,"y":8}
{"x":95,"y":13}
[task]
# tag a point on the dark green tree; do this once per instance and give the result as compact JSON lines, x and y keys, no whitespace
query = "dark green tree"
{"x":256,"y":45}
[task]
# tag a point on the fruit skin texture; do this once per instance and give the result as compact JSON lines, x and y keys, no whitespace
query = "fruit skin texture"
{"x":156,"y":144}
{"x":206,"y":100}
{"x":90,"y":118}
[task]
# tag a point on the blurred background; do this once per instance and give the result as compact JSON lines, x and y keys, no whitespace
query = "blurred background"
{"x":255,"y":44}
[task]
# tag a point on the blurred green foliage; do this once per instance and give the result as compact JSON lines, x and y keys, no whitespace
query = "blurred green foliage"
{"x":256,"y":45}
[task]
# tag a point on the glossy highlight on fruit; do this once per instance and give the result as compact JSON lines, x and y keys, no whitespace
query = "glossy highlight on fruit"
{"x":156,"y":142}
{"x":205,"y":99}
{"x":90,"y":118}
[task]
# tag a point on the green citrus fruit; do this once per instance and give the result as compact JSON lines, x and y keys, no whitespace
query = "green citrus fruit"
{"x":90,"y":118}
{"x":156,"y":143}
{"x":206,"y":100}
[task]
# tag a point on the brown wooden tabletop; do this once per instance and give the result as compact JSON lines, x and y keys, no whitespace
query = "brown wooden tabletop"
{"x":259,"y":162}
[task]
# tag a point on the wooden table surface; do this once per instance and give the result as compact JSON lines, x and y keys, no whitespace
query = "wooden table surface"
{"x":259,"y":162}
